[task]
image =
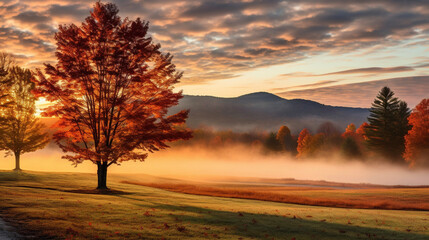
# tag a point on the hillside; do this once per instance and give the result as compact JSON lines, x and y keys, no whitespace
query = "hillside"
{"x":265,"y":111}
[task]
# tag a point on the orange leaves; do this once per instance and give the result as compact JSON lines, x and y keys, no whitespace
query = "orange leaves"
{"x":303,"y":141}
{"x":417,"y":139}
{"x":361,"y":130}
{"x":112,"y":88}
{"x":309,"y":144}
{"x":350,"y":131}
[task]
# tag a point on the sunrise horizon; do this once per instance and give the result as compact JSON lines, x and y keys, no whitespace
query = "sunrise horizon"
{"x":214,"y":119}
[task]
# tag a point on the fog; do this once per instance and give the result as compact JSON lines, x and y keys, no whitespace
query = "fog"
{"x":234,"y":161}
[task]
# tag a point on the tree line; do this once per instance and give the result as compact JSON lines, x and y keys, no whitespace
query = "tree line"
{"x":392,"y":131}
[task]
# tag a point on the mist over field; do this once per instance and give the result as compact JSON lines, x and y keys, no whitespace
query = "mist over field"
{"x":198,"y":163}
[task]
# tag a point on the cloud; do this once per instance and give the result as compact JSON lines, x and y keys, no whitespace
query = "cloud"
{"x":371,"y":70}
{"x":211,"y":39}
{"x":32,"y":17}
{"x":410,"y":89}
{"x":311,"y":85}
{"x":368,"y":70}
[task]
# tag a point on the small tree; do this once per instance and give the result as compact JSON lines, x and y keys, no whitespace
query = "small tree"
{"x":361,"y":130}
{"x":387,"y":124}
{"x":304,"y":140}
{"x":350,"y":131}
{"x":286,"y":140}
{"x":417,"y":139}
{"x":111,"y":89}
{"x":21,"y":131}
{"x":272,"y":144}
{"x":352,"y":140}
{"x":350,"y":147}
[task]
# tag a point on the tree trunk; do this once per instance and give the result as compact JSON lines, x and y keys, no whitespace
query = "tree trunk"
{"x":17,"y":163}
{"x":102,"y":176}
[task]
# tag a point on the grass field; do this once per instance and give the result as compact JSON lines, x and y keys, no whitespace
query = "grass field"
{"x":65,"y":206}
{"x":307,"y":193}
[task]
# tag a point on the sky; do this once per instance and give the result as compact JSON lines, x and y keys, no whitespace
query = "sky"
{"x":337,"y":52}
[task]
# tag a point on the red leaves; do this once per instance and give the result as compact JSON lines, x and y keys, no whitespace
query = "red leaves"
{"x":111,"y":88}
{"x":417,"y":139}
{"x":303,"y":141}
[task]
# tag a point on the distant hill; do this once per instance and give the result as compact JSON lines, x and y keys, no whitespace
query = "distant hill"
{"x":265,"y":111}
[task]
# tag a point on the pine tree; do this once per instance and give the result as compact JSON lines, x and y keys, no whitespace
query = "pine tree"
{"x":388,"y":125}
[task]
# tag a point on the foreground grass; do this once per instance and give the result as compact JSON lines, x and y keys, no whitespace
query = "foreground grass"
{"x":64,"y":206}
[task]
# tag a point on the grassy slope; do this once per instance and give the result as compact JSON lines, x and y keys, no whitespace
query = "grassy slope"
{"x":62,"y":206}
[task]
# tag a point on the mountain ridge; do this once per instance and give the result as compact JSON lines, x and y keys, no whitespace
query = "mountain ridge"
{"x":265,"y":111}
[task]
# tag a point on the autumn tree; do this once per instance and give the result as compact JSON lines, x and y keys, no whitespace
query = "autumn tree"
{"x":111,"y":88}
{"x":304,"y":143}
{"x":21,"y":131}
{"x":350,"y":131}
{"x":361,"y":130}
{"x":350,"y":145}
{"x":6,"y":62}
{"x":387,"y":125}
{"x":417,"y":139}
{"x":285,"y":139}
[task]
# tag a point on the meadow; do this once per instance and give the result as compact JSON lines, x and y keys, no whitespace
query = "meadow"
{"x":305,"y":192}
{"x":66,"y":206}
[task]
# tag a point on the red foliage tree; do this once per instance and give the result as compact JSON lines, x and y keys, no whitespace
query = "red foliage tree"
{"x":361,"y":130}
{"x":417,"y":139}
{"x":303,"y":142}
{"x":350,"y":131}
{"x":111,"y":89}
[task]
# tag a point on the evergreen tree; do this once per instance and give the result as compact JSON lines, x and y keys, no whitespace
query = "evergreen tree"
{"x":388,"y":124}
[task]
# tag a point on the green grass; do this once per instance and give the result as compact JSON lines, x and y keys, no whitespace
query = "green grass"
{"x":61,"y":206}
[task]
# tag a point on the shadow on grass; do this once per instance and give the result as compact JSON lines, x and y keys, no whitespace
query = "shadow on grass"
{"x":98,"y":191}
{"x":267,"y":226}
{"x":79,"y":191}
{"x":10,"y":176}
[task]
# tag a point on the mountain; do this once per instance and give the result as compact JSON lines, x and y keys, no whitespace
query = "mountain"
{"x":265,"y":111}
